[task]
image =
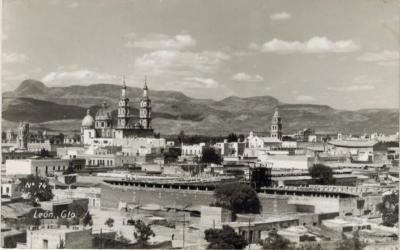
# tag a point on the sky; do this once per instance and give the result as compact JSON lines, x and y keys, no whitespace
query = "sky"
{"x":340,"y":53}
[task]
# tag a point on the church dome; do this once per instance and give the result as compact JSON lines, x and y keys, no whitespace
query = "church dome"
{"x":104,"y":113}
{"x":88,"y":120}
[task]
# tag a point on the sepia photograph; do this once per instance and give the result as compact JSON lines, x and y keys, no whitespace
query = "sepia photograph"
{"x":192,"y":124}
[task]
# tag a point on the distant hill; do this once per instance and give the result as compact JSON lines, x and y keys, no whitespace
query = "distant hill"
{"x":173,"y":111}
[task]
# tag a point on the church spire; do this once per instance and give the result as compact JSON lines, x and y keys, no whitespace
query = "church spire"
{"x":145,"y":83}
{"x":123,"y":81}
{"x":123,"y":91}
{"x":145,"y":88}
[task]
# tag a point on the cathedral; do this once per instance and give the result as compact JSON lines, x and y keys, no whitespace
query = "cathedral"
{"x":124,"y":125}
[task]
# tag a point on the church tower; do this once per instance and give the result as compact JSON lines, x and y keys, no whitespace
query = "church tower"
{"x":23,"y":135}
{"x":276,"y":125}
{"x":123,"y":108}
{"x":145,"y":109}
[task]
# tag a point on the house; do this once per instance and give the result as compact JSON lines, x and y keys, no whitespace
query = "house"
{"x":357,"y":150}
{"x":58,"y":237}
{"x":92,"y":194}
{"x":231,"y":149}
{"x":41,"y":167}
{"x":298,"y":162}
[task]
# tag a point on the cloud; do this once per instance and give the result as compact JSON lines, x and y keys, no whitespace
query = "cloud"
{"x":175,"y":62}
{"x":198,"y":82}
{"x":77,"y":77}
{"x":383,"y":58}
{"x":359,"y":83}
{"x":243,"y":77}
{"x":305,"y":98}
{"x":313,"y":45}
{"x":160,"y":42}
{"x":352,"y":88}
{"x":280,"y":16}
{"x":73,"y":5}
{"x":14,"y":58}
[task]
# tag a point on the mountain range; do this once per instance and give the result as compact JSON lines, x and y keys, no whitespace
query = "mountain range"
{"x":61,"y":109}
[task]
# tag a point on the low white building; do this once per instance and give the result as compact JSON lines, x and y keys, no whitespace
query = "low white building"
{"x":40,"y":167}
{"x":298,"y":162}
{"x":361,"y":150}
{"x":92,"y":194}
{"x":9,"y":188}
{"x":193,"y":150}
{"x":256,"y":145}
{"x":70,"y":152}
{"x":53,"y":238}
{"x":231,"y":149}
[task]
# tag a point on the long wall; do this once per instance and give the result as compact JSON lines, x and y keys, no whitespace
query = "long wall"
{"x":169,"y":197}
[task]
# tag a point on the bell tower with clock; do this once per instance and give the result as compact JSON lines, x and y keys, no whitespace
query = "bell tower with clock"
{"x":145,"y":109}
{"x":123,"y":108}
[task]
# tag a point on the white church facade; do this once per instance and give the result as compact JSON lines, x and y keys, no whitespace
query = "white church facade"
{"x":108,"y":130}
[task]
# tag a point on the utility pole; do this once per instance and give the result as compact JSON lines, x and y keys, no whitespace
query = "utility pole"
{"x":183,"y":234}
{"x":249,"y":237}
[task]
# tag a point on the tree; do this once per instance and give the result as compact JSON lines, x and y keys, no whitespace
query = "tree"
{"x":60,"y":137}
{"x":390,"y":209}
{"x":87,"y":219}
{"x":109,"y":222}
{"x":37,"y":188}
{"x":3,"y":136}
{"x":353,"y":243}
{"x":237,"y":197}
{"x":181,"y":136}
{"x":30,"y":218}
{"x":323,"y":175}
{"x":210,"y":156}
{"x":77,"y":137}
{"x":225,"y":238}
{"x":142,"y":233}
{"x":275,"y":241}
{"x":44,"y":153}
{"x":232,"y":137}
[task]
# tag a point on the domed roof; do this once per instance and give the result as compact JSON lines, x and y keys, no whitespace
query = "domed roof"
{"x":104,"y":113}
{"x":88,"y":120}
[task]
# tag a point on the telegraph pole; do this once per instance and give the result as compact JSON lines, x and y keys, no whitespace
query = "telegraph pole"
{"x":183,"y":234}
{"x":249,"y":234}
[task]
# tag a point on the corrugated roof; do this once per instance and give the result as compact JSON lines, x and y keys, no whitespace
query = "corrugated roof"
{"x":270,"y":139}
{"x":15,"y":210}
{"x":353,"y":143}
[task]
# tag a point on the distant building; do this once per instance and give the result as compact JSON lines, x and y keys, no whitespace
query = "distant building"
{"x":23,"y":136}
{"x":10,"y":136}
{"x":71,"y":140}
{"x":193,"y":150}
{"x":64,"y":237}
{"x":256,"y":145}
{"x":40,"y":167}
{"x":276,"y":126}
{"x":92,"y":194}
{"x":231,"y":149}
{"x":305,"y":134}
{"x":104,"y":128}
{"x":9,"y":188}
{"x":16,"y":155}
{"x":358,"y":150}
{"x":298,"y":162}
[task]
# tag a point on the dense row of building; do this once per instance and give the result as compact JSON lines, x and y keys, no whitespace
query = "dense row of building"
{"x":118,"y":165}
